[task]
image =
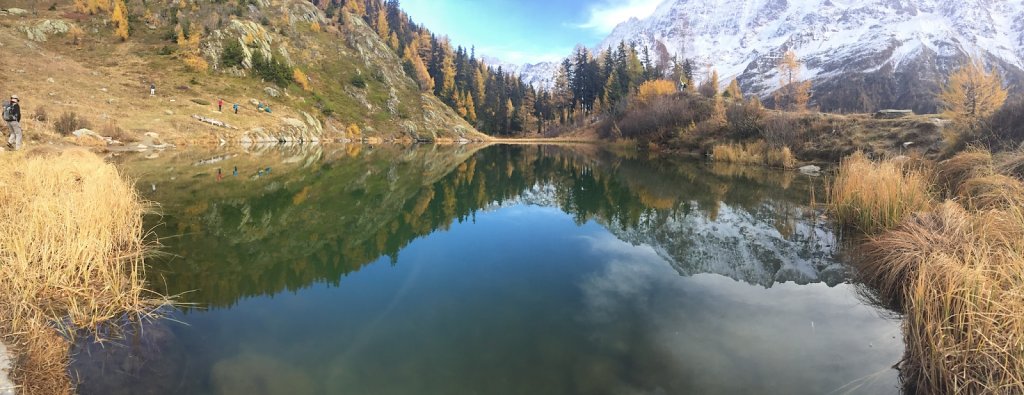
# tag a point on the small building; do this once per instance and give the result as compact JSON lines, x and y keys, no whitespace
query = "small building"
{"x":893,"y":114}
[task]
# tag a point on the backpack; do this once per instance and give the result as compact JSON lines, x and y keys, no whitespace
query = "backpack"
{"x":8,"y":112}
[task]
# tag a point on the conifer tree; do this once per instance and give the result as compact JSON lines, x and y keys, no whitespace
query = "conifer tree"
{"x":733,"y":91}
{"x":119,"y":16}
{"x":972,"y":92}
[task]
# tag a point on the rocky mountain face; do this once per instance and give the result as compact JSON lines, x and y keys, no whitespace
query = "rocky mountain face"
{"x":860,"y":55}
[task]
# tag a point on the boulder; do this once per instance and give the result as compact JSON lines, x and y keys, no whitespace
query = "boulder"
{"x":42,"y":30}
{"x":810,"y":170}
{"x":16,"y":11}
{"x":272,"y":92}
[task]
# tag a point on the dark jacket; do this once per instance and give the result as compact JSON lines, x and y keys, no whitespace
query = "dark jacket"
{"x":15,"y":110}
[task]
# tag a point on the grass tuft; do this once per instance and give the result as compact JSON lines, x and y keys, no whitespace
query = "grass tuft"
{"x":872,"y":197}
{"x":757,"y":153}
{"x":71,"y":259}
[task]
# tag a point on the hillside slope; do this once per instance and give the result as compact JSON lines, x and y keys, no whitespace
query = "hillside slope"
{"x":354,"y":78}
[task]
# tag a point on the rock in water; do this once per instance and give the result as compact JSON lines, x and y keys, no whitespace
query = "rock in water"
{"x":810,"y":170}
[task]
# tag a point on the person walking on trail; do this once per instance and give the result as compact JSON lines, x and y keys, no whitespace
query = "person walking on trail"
{"x":236,"y":108}
{"x":152,"y":89}
{"x":220,"y":105}
{"x":12,"y":115}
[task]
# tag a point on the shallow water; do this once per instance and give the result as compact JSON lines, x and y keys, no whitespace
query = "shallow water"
{"x":503,"y":270}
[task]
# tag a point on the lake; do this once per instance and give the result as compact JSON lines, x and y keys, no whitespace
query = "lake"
{"x":350,"y":269}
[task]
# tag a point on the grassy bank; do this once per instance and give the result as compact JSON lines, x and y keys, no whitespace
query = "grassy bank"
{"x":71,"y":259}
{"x":757,"y":153}
{"x":945,"y":243}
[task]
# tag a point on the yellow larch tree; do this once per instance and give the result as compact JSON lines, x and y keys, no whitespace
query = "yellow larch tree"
{"x":792,"y":94}
{"x":972,"y":92}
{"x":654,"y":88}
{"x":120,"y":18}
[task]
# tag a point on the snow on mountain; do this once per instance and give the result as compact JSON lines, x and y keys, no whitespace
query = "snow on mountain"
{"x":861,"y":54}
{"x":539,"y":75}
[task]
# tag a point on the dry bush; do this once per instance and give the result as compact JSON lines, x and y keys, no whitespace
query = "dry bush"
{"x":781,"y":130}
{"x":69,"y":122}
{"x":754,"y":154}
{"x":746,"y":119}
{"x":872,"y":197}
{"x":959,"y":276}
{"x":1005,"y":128}
{"x":1011,"y":163}
{"x":994,"y":191}
{"x":115,"y":132}
{"x":659,"y":119}
{"x":71,"y":259}
{"x":40,"y":114}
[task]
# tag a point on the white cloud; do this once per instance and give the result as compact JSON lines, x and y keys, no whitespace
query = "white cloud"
{"x":606,"y":15}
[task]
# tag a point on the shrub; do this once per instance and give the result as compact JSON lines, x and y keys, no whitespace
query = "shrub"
{"x":658,"y":120}
{"x":358,"y":81}
{"x":69,"y":122}
{"x":40,"y":114}
{"x":301,"y":79}
{"x":352,"y":131}
{"x":1005,"y":128}
{"x":781,"y":130}
{"x":745,"y":119}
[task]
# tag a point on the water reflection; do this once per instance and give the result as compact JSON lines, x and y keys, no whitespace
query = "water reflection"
{"x":323,"y":215}
{"x":505,"y":270}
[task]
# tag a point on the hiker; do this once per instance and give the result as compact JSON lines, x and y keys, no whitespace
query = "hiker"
{"x":235,"y":173}
{"x":236,"y":108}
{"x":12,"y":115}
{"x":152,"y":89}
{"x":220,"y":105}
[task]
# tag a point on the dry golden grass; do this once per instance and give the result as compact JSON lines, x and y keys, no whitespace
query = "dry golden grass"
{"x":757,"y":153}
{"x":956,"y":268}
{"x":71,"y":258}
{"x":952,"y":173}
{"x":959,"y":276}
{"x":873,"y":196}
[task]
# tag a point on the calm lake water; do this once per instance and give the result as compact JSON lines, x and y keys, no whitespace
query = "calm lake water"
{"x":502,"y":270}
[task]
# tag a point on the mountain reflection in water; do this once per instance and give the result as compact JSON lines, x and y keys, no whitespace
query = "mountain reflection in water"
{"x":499,"y":270}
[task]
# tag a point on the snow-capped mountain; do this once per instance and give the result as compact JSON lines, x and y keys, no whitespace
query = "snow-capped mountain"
{"x":860,"y":54}
{"x":540,"y":75}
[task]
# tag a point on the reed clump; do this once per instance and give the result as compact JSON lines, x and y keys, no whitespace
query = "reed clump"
{"x":72,"y":245}
{"x":956,"y":269}
{"x":870,"y":196}
{"x":757,"y":153}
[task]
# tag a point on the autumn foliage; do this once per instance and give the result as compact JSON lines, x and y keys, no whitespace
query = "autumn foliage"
{"x":972,"y":92}
{"x":651,"y":89}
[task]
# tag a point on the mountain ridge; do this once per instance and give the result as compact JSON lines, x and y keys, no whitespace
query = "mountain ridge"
{"x":861,"y":56}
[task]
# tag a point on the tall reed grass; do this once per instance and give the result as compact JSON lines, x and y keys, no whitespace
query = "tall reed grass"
{"x":871,"y":196}
{"x":955,"y":268}
{"x":757,"y":153}
{"x":72,"y":245}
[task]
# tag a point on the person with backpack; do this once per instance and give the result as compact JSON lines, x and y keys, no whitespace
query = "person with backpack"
{"x":236,"y":108}
{"x":220,"y":105}
{"x":12,"y":115}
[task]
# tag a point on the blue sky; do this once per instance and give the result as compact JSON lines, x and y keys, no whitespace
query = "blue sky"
{"x":525,"y":31}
